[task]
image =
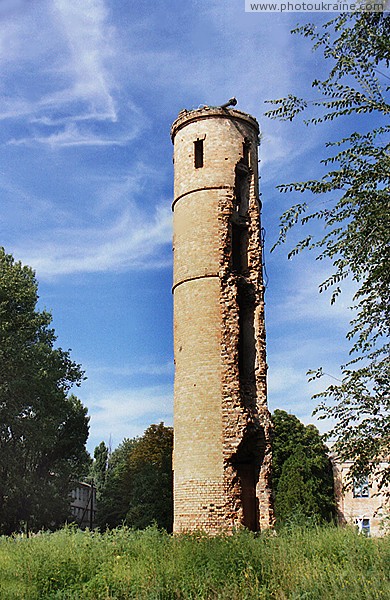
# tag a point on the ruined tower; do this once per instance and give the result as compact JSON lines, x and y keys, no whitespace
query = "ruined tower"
{"x":221,"y":421}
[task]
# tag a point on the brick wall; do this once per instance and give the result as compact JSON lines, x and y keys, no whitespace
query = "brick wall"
{"x":221,"y":422}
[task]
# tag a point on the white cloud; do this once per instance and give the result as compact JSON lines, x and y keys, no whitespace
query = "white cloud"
{"x":282,"y":378}
{"x":288,"y":386}
{"x":90,"y":42}
{"x":144,"y":368}
{"x":126,"y":413}
{"x":119,"y":405}
{"x":298,"y":293}
{"x":69,"y":69}
{"x":19,"y":30}
{"x":286,"y":150}
{"x":72,"y":50}
{"x":134,"y":240}
{"x":15,"y":108}
{"x":72,"y":134}
{"x":304,"y":332}
{"x":17,"y":202}
{"x":273,"y":148}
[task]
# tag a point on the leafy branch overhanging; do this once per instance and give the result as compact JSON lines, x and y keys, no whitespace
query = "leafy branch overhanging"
{"x":353,"y":203}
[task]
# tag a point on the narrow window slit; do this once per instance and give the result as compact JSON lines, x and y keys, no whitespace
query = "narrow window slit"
{"x":198,"y":154}
{"x":245,"y":153}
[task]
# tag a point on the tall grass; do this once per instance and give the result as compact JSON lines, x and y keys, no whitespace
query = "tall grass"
{"x":300,"y":564}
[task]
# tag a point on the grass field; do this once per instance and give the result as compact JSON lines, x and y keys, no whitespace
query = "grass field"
{"x":302,"y":564}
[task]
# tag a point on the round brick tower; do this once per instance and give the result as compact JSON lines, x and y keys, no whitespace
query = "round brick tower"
{"x":221,"y":421}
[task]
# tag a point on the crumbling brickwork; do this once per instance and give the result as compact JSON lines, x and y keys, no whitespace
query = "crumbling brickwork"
{"x":222,"y":451}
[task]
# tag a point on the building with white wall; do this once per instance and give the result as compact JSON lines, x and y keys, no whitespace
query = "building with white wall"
{"x":361,"y":503}
{"x":83,"y":505}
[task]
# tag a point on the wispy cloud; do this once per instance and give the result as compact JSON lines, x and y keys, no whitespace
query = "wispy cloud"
{"x":288,"y":385}
{"x":15,"y":108}
{"x":124,"y":399}
{"x":127,"y":412}
{"x":73,"y":52}
{"x":80,"y":82}
{"x":149,"y":368}
{"x":74,"y":134}
{"x":17,"y":201}
{"x":304,"y":332}
{"x":90,"y":43}
{"x":133,"y":241}
{"x":298,"y":298}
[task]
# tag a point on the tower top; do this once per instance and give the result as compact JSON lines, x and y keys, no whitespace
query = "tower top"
{"x":191,"y":116}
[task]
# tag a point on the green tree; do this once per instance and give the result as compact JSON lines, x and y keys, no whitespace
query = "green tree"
{"x":99,"y":467}
{"x":138,"y":488}
{"x":113,"y":499}
{"x":302,"y":471}
{"x":151,"y":479}
{"x":352,"y":202}
{"x":43,"y":430}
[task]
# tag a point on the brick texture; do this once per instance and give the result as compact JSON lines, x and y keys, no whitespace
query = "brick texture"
{"x":222,"y":451}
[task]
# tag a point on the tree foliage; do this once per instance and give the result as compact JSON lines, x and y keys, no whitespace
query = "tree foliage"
{"x":98,"y":471}
{"x":138,"y":487}
{"x":352,"y":202}
{"x":302,"y":471}
{"x":43,"y":430}
{"x":113,"y":500}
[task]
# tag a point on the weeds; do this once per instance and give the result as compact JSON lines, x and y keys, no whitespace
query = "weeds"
{"x":297,"y":564}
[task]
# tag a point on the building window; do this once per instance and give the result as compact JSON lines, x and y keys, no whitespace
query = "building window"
{"x":366,"y":526}
{"x":363,"y":525}
{"x":361,"y":488}
{"x":198,"y":154}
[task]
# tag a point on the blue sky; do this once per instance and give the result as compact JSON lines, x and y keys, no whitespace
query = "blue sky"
{"x":88,"y":93}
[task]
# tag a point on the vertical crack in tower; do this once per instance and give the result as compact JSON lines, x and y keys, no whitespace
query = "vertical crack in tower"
{"x":222,"y":451}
